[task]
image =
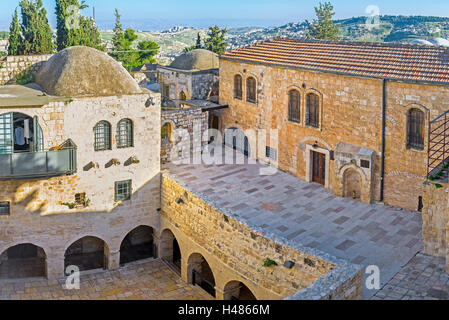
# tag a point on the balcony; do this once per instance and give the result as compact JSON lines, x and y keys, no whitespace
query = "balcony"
{"x":37,"y":164}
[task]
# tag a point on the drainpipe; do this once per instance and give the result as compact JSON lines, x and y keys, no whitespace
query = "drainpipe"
{"x":382,"y":161}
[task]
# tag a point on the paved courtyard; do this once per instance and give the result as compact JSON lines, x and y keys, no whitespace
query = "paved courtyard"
{"x":145,"y":280}
{"x":423,"y":278}
{"x":311,"y":215}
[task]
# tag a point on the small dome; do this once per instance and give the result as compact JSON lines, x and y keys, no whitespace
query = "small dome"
{"x":421,"y":41}
{"x":440,"y":42}
{"x":195,"y":60}
{"x":80,"y":71}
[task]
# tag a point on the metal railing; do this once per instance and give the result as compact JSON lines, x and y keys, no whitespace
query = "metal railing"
{"x":438,"y":146}
{"x":37,"y":164}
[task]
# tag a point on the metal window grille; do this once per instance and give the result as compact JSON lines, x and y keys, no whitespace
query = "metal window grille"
{"x":102,"y":132}
{"x":125,"y":134}
{"x":293,"y":106}
{"x":122,"y":190}
{"x":6,"y":135}
{"x":5,"y":208}
{"x":238,"y":87}
{"x":251,"y":90}
{"x":415,"y":129}
{"x":271,"y":153}
{"x":313,"y":110}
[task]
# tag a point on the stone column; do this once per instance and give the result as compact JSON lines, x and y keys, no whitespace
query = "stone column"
{"x":112,"y":259}
{"x":55,"y":266}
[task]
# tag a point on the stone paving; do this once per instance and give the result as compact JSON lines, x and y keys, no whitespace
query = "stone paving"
{"x":423,"y":278}
{"x":366,"y":234}
{"x":144,"y":280}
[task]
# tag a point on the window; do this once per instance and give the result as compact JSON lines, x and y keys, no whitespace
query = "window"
{"x":313,"y":110}
{"x":415,"y":129}
{"x":365,"y":164}
{"x":125,"y":134}
{"x":293,"y":106}
{"x":102,"y":132}
{"x":238,"y":87}
{"x":5,"y":208}
{"x":251,"y":90}
{"x":122,"y":190}
{"x":166,"y":132}
{"x":183,"y":96}
{"x":271,"y":153}
{"x":166,"y":91}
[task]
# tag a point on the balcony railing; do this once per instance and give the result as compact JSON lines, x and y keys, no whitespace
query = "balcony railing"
{"x":438,"y":151}
{"x":37,"y":164}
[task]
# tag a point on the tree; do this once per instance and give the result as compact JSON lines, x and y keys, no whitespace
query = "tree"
{"x":147,"y":50}
{"x":198,"y":41}
{"x":36,"y":31}
{"x":117,"y":39}
{"x":216,"y":40}
{"x":73,"y":29}
{"x":323,"y":28}
{"x":15,"y":36}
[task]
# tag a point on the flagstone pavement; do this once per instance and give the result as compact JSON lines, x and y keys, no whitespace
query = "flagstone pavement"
{"x":365,"y":234}
{"x":144,"y":280}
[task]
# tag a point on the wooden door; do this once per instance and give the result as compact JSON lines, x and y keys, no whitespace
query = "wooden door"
{"x":318,"y":167}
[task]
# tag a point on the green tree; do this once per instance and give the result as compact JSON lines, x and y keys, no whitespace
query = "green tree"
{"x":198,"y":42}
{"x":147,"y":50}
{"x":36,"y":31}
{"x":216,"y":40}
{"x":73,"y":29}
{"x":117,"y":39}
{"x":323,"y":28}
{"x":15,"y":36}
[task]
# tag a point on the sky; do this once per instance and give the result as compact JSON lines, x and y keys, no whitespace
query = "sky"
{"x":163,"y":14}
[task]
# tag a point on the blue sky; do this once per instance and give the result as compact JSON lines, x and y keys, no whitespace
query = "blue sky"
{"x":151,"y":14}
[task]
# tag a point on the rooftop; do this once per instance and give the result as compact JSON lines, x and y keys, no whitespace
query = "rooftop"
{"x":196,"y":60}
{"x":24,"y":96}
{"x":307,"y":214}
{"x":404,"y":62}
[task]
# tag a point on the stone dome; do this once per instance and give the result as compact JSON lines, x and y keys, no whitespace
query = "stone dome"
{"x":81,"y":71}
{"x":195,"y":60}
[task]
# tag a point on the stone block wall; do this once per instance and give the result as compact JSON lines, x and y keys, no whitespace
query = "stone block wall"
{"x":12,"y":66}
{"x":192,"y":120}
{"x":236,"y":252}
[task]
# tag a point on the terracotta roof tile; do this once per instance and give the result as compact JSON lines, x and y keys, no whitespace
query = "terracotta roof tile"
{"x":369,"y":59}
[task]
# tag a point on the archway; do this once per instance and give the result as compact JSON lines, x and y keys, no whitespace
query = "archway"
{"x":352,"y":184}
{"x":170,"y":250}
{"x":87,"y":253}
{"x":199,"y":273}
{"x":23,"y":261}
{"x":236,"y":139}
{"x":236,"y":290}
{"x":20,"y":133}
{"x":137,"y":245}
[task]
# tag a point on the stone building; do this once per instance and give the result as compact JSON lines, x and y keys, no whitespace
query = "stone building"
{"x":351,"y":116}
{"x":79,"y":175}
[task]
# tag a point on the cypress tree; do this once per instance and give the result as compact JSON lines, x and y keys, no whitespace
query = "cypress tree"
{"x":15,"y":37}
{"x":35,"y":28}
{"x":198,"y":42}
{"x":118,"y":38}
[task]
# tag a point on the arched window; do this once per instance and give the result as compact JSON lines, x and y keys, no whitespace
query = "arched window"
{"x":183,"y":96}
{"x":313,"y":110}
{"x":293,"y":106}
{"x":238,"y":87}
{"x":415,"y":129}
{"x":125,"y":134}
{"x":251,"y":90}
{"x":166,"y":132}
{"x":102,"y":136}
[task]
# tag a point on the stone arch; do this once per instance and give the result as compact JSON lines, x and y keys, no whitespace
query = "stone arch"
{"x":200,"y":273}
{"x":87,"y":253}
{"x":24,"y":260}
{"x":167,"y":131}
{"x":352,"y":184}
{"x":236,"y":138}
{"x":425,"y":119}
{"x":138,"y":244}
{"x":170,"y":249}
{"x":237,"y":290}
{"x":320,"y":96}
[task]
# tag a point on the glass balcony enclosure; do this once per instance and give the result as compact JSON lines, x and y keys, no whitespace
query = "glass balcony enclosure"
{"x":21,"y":150}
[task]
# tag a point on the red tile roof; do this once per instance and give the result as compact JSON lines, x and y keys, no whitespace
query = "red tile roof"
{"x":365,"y":59}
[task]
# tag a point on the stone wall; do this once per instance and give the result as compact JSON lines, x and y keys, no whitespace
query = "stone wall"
{"x":38,"y":215}
{"x":236,"y":252}
{"x":192,"y":120}
{"x":12,"y":66}
{"x":350,"y":112}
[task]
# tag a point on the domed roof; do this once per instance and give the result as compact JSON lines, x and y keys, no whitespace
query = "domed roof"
{"x":440,"y":42}
{"x":198,"y":59}
{"x":421,"y":41}
{"x":79,"y":71}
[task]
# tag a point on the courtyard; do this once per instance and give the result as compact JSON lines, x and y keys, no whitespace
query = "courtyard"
{"x":144,"y":280}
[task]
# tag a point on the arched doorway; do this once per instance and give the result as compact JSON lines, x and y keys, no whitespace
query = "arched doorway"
{"x":199,"y":273}
{"x":236,"y":290}
{"x":352,"y":182}
{"x":170,"y":250}
{"x":236,"y":139}
{"x":23,"y":261}
{"x":137,"y":245}
{"x":20,"y":133}
{"x":87,"y":253}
